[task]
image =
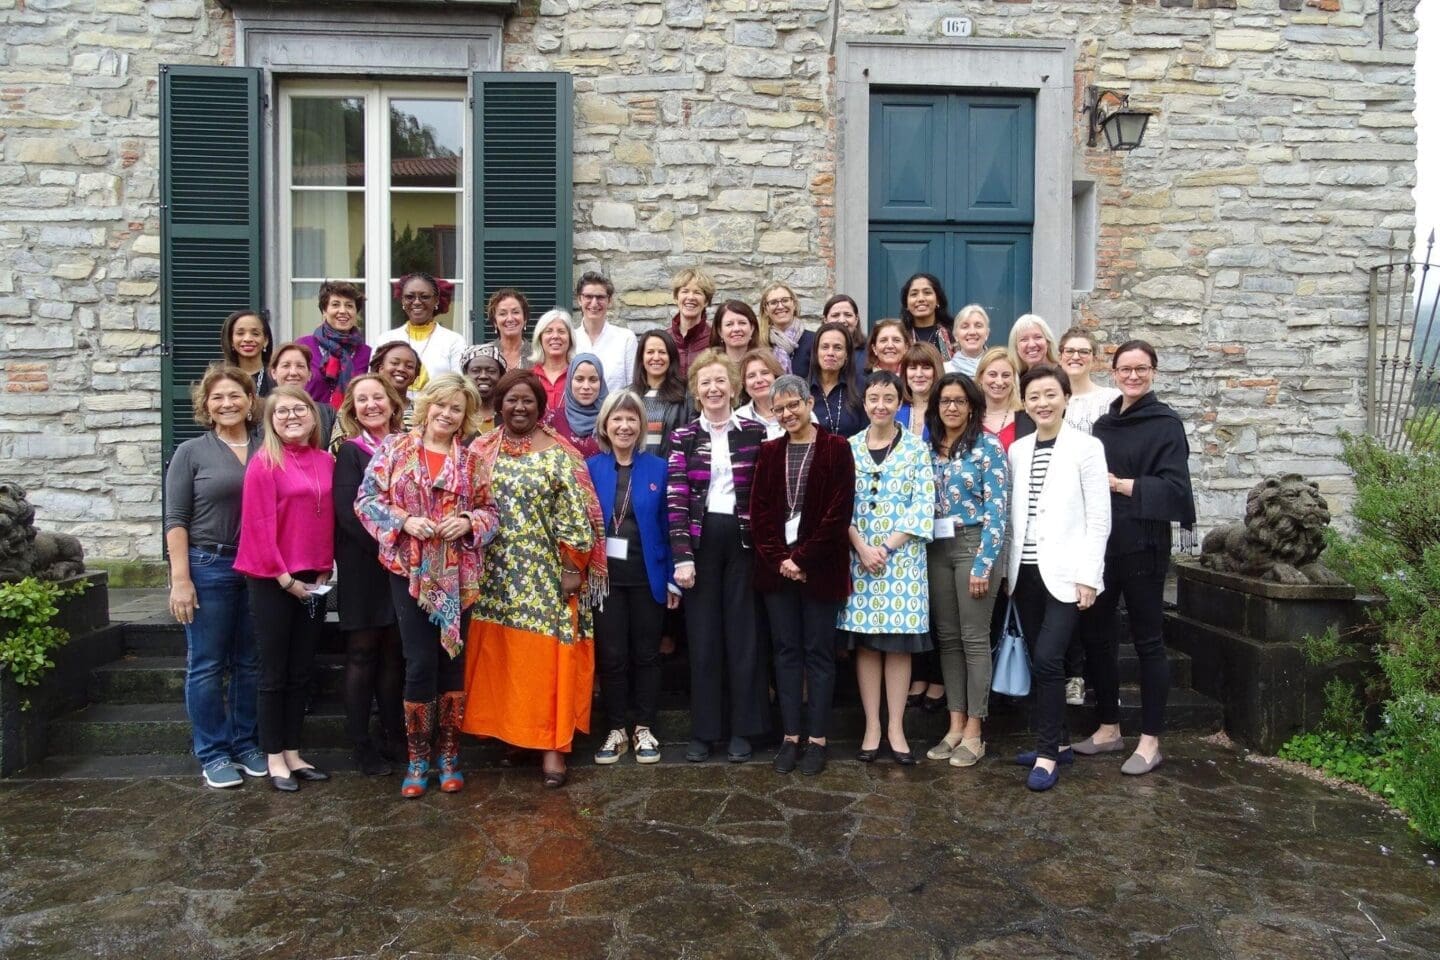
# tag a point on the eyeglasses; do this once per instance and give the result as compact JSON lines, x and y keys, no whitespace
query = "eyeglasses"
{"x":953,"y":402}
{"x":774,"y":302}
{"x":595,"y":297}
{"x":1077,"y":352}
{"x":1134,"y":371}
{"x":291,"y":413}
{"x":794,"y":406}
{"x":417,"y":297}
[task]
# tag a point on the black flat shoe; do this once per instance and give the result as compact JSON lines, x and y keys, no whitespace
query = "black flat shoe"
{"x":740,"y":750}
{"x":933,"y":704}
{"x":310,"y":774}
{"x":903,"y":757}
{"x":698,"y":751}
{"x":553,"y":779}
{"x":913,"y":700}
{"x":867,"y":756}
{"x":284,"y":784}
{"x":370,"y":761}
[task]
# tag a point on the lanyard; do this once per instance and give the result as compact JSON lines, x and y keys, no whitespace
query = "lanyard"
{"x":624,"y":504}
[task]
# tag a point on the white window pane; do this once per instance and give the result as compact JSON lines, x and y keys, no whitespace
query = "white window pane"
{"x":327,"y":141}
{"x":327,"y":234}
{"x":426,"y":143}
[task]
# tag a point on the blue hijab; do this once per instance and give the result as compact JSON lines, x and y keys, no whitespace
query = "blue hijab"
{"x":582,"y":416}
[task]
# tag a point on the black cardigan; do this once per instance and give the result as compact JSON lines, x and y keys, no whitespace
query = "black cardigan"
{"x":1146,"y":443}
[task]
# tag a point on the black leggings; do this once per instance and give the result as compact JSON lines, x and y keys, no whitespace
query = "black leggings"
{"x":1048,"y":624}
{"x":429,"y":670}
{"x":627,"y":637}
{"x":374,"y":671}
{"x":1140,"y":578}
{"x":286,"y":633}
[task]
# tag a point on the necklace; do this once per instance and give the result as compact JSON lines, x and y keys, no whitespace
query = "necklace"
{"x":314,"y":482}
{"x":231,"y":443}
{"x":513,"y":446}
{"x":793,"y":494}
{"x":832,"y":414}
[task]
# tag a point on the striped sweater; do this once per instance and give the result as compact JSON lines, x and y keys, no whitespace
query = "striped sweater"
{"x":688,"y":482}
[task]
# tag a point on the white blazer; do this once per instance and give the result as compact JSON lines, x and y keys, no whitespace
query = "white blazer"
{"x":1072,"y":516}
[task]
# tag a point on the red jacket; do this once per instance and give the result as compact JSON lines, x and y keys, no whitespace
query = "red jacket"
{"x":691,"y":344}
{"x":822,"y":550}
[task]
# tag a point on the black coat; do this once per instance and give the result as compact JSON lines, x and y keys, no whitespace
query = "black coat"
{"x":1146,"y":443}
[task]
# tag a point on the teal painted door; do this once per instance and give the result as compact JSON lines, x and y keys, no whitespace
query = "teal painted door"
{"x":952,"y":192}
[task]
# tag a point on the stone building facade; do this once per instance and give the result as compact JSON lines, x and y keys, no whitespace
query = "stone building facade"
{"x":733,"y":134}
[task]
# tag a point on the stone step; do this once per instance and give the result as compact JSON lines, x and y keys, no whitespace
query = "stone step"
{"x":161,"y":728}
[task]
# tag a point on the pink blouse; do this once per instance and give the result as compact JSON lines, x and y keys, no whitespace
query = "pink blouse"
{"x":287,"y":519}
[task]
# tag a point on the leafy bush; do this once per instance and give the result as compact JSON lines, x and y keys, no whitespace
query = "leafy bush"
{"x":1362,"y":760}
{"x":1395,"y":552}
{"x":26,"y":634}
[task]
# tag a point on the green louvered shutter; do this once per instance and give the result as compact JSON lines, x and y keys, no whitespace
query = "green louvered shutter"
{"x":209,"y":223}
{"x":522,"y":193}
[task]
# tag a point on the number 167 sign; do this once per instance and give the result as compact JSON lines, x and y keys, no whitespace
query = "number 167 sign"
{"x":956,"y":27}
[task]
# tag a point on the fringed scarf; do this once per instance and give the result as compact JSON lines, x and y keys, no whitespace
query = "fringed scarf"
{"x":337,"y":358}
{"x":784,"y":343}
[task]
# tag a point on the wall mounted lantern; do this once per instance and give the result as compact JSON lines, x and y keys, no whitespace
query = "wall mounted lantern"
{"x":1110,"y":111}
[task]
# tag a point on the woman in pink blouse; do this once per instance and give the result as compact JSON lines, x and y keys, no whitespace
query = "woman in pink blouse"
{"x":287,"y":546}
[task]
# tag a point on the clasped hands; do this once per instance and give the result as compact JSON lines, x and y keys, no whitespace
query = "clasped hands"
{"x":451,"y":528}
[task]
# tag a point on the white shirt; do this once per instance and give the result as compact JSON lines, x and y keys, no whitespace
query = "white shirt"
{"x":1083,"y":410}
{"x":439,"y":352}
{"x":721,"y":496}
{"x":616,"y":349}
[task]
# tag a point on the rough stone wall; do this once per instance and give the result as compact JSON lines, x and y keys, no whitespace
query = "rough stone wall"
{"x":80,"y":256}
{"x":1277,"y":167}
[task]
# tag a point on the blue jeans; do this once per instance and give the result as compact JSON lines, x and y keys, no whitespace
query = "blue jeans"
{"x":218,"y":641}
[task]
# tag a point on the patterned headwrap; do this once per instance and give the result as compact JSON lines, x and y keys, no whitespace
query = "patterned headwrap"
{"x":491,"y":350}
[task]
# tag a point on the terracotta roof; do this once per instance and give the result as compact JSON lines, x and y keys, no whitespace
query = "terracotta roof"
{"x":432,"y":171}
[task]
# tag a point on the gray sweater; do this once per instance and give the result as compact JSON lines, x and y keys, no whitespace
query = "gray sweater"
{"x":202,"y":490}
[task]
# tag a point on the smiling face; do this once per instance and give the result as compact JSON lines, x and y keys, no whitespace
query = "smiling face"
{"x":510,"y":319}
{"x":780,"y":306}
{"x":1031,"y":345}
{"x":623,"y":429}
{"x":585,"y":384}
{"x":292,"y":368}
{"x":341,"y":313}
{"x":954,"y":407}
{"x":401,"y":367}
{"x":843,"y":312}
{"x":1134,"y":374}
{"x":758,"y":380}
{"x":920,"y":301}
{"x":890,"y":347}
{"x":484,"y":372}
{"x":520,"y":410}
{"x":444,"y":417}
{"x":972,"y":331}
{"x":691,"y":301}
{"x":555,"y":340}
{"x":716,"y":392}
{"x":655,"y":359}
{"x":417,"y":299}
{"x":1045,"y":402}
{"x":1076,"y":355}
{"x":247,"y":337}
{"x":594,"y":301}
{"x":292,"y":420}
{"x":919,"y":377}
{"x":997,"y":381}
{"x":372,"y":407}
{"x":882,"y":401}
{"x":793,"y":414}
{"x":833,"y":348}
{"x":227,"y":403}
{"x":735,"y":330}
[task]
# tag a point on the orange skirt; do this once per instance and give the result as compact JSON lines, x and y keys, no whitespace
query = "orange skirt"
{"x":526,"y":689}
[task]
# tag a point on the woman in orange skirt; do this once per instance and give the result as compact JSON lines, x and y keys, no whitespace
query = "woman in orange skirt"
{"x":531,"y":669}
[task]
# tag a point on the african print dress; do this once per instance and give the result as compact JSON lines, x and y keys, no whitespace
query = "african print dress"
{"x":890,"y":611}
{"x":531,"y":667}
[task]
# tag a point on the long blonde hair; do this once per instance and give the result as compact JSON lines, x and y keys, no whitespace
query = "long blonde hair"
{"x":1052,"y":348}
{"x":347,"y":421}
{"x":272,"y":449}
{"x":995,"y":355}
{"x":444,"y":386}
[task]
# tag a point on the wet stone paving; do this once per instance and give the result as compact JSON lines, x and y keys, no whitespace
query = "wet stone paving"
{"x":1211,"y":856}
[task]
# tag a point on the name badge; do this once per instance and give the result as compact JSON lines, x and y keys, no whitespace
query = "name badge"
{"x":792,"y":530}
{"x":617,"y":548}
{"x":944,"y":528}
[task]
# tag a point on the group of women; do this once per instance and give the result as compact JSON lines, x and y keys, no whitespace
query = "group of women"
{"x":542,"y":511}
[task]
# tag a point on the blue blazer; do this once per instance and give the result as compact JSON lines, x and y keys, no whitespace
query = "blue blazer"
{"x":647,"y":502}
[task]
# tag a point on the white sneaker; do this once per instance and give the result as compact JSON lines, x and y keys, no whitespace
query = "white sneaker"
{"x":647,"y":748}
{"x":614,"y":747}
{"x":1075,"y":691}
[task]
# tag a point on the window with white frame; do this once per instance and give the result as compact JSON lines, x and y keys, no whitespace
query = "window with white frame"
{"x":373,"y":181}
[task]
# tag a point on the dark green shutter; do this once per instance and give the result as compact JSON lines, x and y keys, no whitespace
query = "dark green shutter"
{"x":522,"y":192}
{"x":209,"y":223}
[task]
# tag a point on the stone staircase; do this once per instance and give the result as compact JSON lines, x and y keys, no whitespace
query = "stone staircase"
{"x":135,"y":723}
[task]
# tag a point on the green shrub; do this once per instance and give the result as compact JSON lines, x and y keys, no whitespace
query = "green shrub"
{"x":1361,"y":760}
{"x":26,"y":634}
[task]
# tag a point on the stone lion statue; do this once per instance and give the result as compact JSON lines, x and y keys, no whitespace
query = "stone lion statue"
{"x":26,"y":552}
{"x":1281,"y":538}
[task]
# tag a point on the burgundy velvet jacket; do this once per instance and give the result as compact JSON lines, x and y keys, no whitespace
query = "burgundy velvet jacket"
{"x":822,"y":550}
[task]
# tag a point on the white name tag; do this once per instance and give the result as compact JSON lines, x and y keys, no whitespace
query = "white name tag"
{"x":617,"y":548}
{"x":792,"y":530}
{"x":944,"y":528}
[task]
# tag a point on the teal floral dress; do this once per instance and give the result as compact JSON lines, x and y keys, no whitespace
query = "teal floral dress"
{"x":890,"y":611}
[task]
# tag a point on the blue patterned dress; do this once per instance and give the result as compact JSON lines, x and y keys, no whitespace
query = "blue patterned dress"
{"x":890,"y":611}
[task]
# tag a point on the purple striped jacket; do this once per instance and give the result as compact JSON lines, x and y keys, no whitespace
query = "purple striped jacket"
{"x":688,"y":481}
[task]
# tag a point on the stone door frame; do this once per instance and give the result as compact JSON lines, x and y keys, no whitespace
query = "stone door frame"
{"x":1044,"y":68}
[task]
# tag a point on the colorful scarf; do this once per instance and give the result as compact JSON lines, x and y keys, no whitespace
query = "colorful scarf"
{"x":596,"y":568}
{"x":783,"y":343}
{"x":582,"y":416}
{"x":337,"y":358}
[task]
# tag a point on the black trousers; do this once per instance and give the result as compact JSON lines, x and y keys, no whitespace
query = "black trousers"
{"x":1048,"y":624}
{"x":286,"y":633}
{"x":1140,"y":578}
{"x":627,"y":637}
{"x":724,"y":647}
{"x":429,"y":669}
{"x":803,"y":633}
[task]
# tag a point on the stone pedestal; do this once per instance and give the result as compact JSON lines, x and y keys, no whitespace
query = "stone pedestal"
{"x":1244,"y":638}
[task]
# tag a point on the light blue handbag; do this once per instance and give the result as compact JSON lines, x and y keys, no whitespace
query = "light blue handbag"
{"x":1012,"y":660}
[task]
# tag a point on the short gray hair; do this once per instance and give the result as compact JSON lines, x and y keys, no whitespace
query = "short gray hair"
{"x":790,"y":386}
